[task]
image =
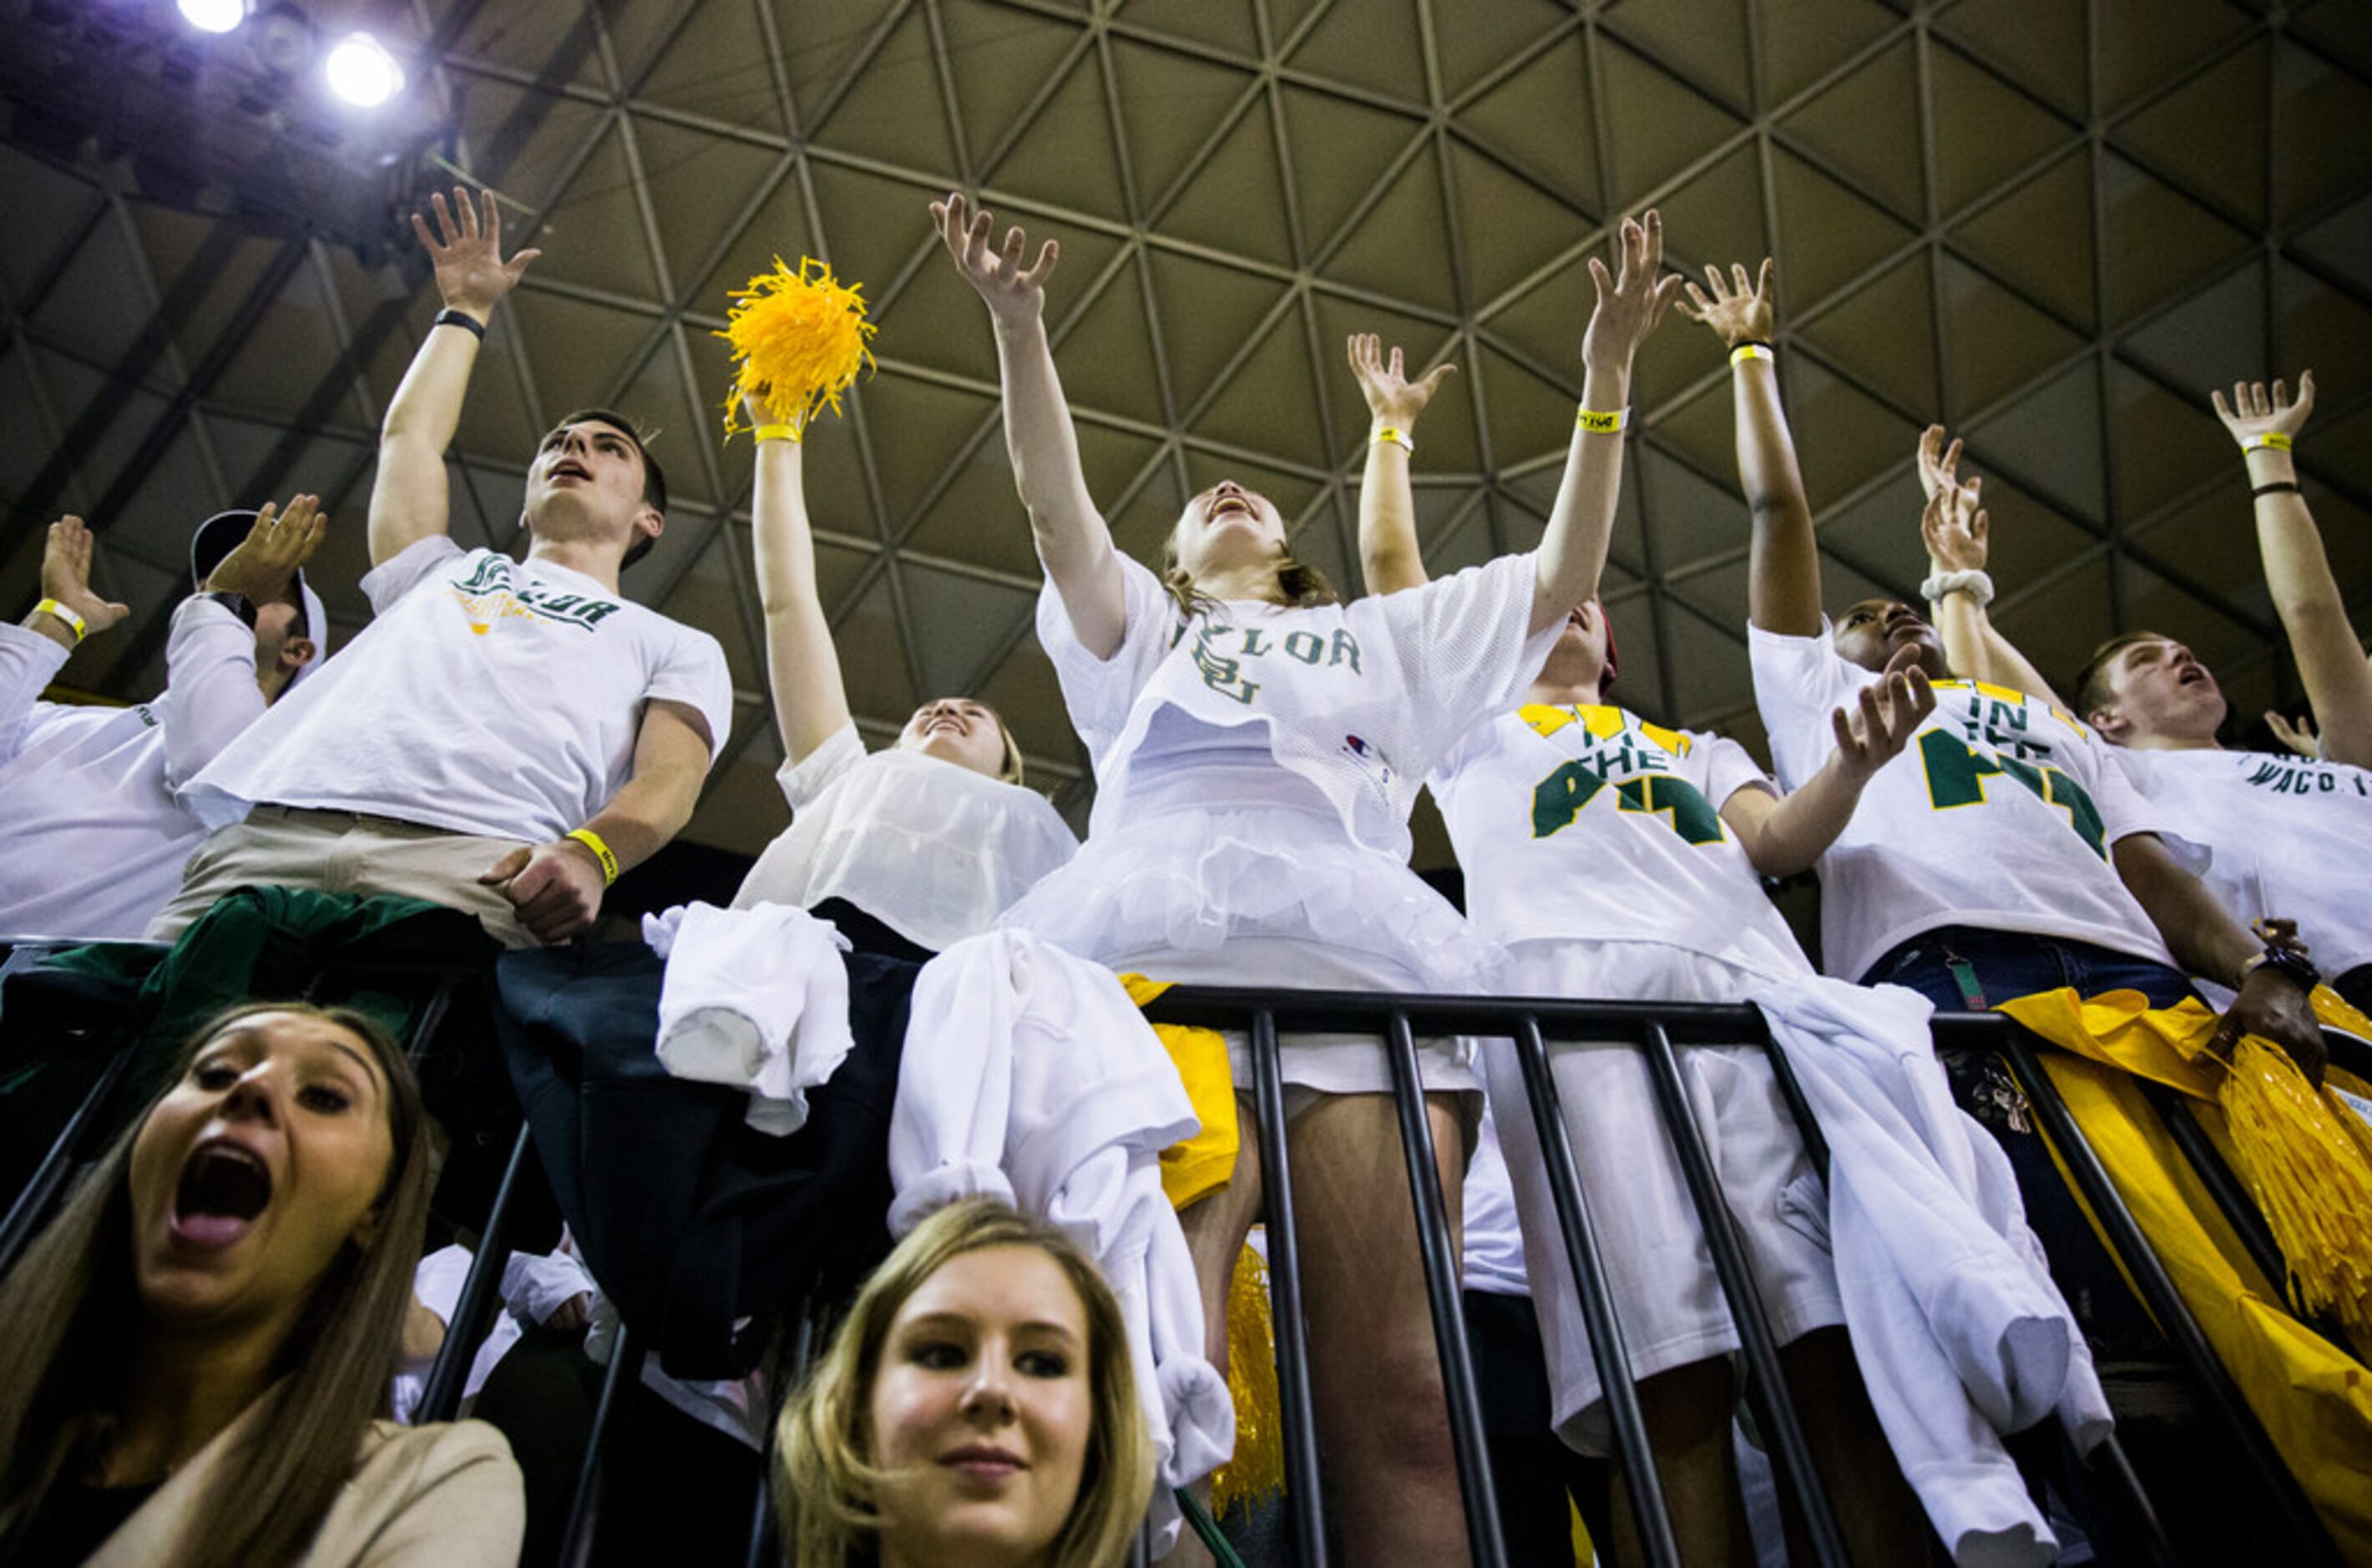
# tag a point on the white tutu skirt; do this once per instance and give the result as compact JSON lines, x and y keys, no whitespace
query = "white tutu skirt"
{"x":1270,"y":897}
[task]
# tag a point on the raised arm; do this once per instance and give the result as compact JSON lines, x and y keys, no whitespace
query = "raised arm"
{"x":211,"y":690}
{"x":33,"y":653}
{"x":1074,"y":542}
{"x":2330,"y":658}
{"x":1389,"y":556}
{"x":1781,"y":837}
{"x":1573,"y":548}
{"x":408,"y":496}
{"x":1957,"y":533}
{"x":1782,"y":593}
{"x":802,"y":666}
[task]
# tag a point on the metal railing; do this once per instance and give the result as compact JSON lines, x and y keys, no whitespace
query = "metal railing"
{"x":1537,"y":1028}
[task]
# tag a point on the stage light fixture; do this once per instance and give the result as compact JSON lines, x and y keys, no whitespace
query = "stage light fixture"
{"x":213,"y":16}
{"x":362,"y":72}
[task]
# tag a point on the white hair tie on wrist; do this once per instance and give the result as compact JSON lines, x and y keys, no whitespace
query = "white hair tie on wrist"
{"x":1976,"y":585}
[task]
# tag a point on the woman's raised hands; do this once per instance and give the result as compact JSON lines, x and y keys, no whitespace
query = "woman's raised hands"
{"x":1630,"y":305}
{"x":1739,"y":312}
{"x":467,"y":251}
{"x":1013,"y":296}
{"x":1392,"y":398}
{"x":2251,"y":415}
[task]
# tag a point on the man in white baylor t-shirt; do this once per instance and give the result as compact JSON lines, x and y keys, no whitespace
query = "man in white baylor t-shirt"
{"x":2283,"y":837}
{"x":506,"y":735}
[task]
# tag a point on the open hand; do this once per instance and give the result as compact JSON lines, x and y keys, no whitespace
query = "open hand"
{"x":2299,"y":737}
{"x":65,"y":577}
{"x":2251,"y":413}
{"x":468,"y":253}
{"x":1392,"y":398}
{"x":1956,"y":528}
{"x":259,"y":568}
{"x":1628,"y":306}
{"x":1738,"y":311}
{"x":556,"y":888}
{"x":1889,"y":711}
{"x":1013,"y":296}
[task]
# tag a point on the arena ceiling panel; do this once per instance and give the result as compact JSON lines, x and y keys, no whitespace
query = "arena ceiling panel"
{"x":2052,"y":223}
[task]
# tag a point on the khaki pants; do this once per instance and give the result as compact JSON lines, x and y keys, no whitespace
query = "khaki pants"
{"x":344,"y":851}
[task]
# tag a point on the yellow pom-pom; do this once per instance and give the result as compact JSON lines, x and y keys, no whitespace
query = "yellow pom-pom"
{"x":800,"y":338}
{"x":2311,"y":1176}
{"x":1257,"y":1471}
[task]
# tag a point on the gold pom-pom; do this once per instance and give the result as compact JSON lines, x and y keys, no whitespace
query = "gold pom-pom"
{"x":1257,"y":1470}
{"x":2311,"y":1176}
{"x":800,"y":338}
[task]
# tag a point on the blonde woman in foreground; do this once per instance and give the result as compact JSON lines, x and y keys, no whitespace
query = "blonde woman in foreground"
{"x":976,"y":1408}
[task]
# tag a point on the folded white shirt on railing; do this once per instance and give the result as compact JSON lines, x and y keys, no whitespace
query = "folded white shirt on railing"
{"x":1028,"y":1076}
{"x":1957,"y":1329}
{"x":756,"y":999}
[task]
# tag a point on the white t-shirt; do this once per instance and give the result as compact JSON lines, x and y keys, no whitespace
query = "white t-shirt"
{"x":1358,"y":700}
{"x":929,"y":847}
{"x":1591,"y":823}
{"x":489,"y":696}
{"x":1998,"y":815}
{"x":2282,"y":836}
{"x":91,"y":840}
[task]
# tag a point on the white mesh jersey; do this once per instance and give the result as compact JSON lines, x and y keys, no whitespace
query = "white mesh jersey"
{"x":2282,"y":836}
{"x":1357,"y":700}
{"x":1591,"y":823}
{"x":927,"y":846}
{"x":1998,"y":815}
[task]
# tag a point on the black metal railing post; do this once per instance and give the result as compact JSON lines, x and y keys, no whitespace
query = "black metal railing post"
{"x":618,"y":1384}
{"x":1298,"y":1420}
{"x":32,"y":1210}
{"x":481,"y":1296}
{"x":1469,"y":1442}
{"x":1651,"y":1517}
{"x":1767,"y":1384}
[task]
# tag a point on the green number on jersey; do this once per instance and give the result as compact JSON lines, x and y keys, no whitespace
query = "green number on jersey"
{"x":1957,"y":775}
{"x":1559,"y":798}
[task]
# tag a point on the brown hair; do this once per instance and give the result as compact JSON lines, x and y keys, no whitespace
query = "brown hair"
{"x":825,"y":1477}
{"x":2093,"y":689}
{"x":654,"y":491}
{"x":71,"y":1305}
{"x":1299,"y":584}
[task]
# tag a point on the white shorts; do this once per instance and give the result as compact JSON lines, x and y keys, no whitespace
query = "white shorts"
{"x":1658,"y":1269}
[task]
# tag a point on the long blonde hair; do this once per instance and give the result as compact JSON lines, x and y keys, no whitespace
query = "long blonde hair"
{"x":825,"y":1477}
{"x":71,"y":1306}
{"x":1299,"y":584}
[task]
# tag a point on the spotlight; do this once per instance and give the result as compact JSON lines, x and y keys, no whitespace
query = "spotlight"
{"x":362,"y":72}
{"x":213,"y":16}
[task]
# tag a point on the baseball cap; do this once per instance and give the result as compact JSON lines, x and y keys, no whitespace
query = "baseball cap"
{"x":224,"y":532}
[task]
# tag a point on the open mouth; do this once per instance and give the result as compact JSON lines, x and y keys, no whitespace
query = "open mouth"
{"x":569,"y":468}
{"x":224,"y":1187}
{"x":1231,"y":503}
{"x":2192,"y":675}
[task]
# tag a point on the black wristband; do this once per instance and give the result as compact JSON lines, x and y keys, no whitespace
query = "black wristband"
{"x":448,"y":317}
{"x":2288,"y":962}
{"x":238,"y":604}
{"x":2277,"y":487}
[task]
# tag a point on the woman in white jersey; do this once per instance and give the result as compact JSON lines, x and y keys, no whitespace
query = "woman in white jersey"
{"x":907,"y":850}
{"x":1257,"y":752}
{"x":1617,"y":858}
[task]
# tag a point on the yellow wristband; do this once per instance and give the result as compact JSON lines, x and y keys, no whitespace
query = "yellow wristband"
{"x":1598,"y":423}
{"x":1745,"y":351}
{"x":776,"y":433}
{"x":2273,"y":439}
{"x":592,"y":841}
{"x":1397,"y":438}
{"x":51,"y":607}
